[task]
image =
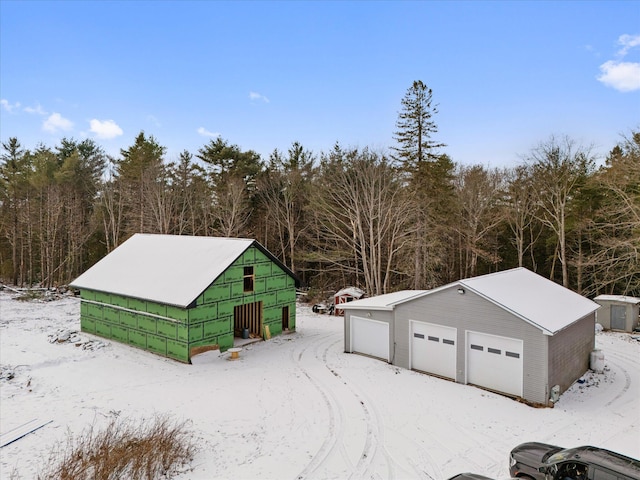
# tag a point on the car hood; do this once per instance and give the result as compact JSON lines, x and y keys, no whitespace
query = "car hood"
{"x":534,"y":453}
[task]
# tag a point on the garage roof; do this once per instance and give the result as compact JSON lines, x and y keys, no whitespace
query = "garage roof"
{"x":618,"y":298}
{"x":168,"y":269}
{"x":383,"y":302}
{"x":535,"y":299}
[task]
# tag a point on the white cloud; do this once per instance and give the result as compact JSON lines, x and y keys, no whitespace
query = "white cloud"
{"x":623,"y":76}
{"x":206,"y":133}
{"x":257,"y":96}
{"x":628,"y":42}
{"x":37,"y":109}
{"x":56,"y":122}
{"x":106,"y":129}
{"x":7,"y":106}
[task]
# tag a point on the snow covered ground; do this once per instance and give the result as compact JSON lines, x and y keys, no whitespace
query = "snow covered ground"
{"x":296,"y":406}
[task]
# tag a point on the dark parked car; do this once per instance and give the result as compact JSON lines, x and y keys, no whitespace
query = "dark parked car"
{"x":470,"y":476}
{"x":540,"y":461}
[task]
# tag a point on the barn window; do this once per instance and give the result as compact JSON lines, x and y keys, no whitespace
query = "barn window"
{"x":248,"y":279}
{"x":493,"y":350}
{"x":418,"y":335}
{"x":477,"y":347}
{"x":434,"y":339}
{"x":448,"y":342}
{"x":512,"y":354}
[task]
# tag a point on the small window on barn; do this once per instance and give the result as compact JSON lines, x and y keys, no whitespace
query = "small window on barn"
{"x":448,"y":342}
{"x":248,"y":279}
{"x":477,"y":347}
{"x":434,"y":339}
{"x":494,"y":350}
{"x":418,"y":335}
{"x":512,"y":354}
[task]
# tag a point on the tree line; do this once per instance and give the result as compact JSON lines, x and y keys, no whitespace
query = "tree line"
{"x":383,"y":221}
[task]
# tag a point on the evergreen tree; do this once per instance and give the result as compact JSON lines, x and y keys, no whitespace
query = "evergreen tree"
{"x":416,"y":127}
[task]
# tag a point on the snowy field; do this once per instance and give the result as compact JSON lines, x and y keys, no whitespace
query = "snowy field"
{"x":295,"y":407}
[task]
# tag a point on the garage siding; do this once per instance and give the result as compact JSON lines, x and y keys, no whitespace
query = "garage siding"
{"x":570,"y":352}
{"x":473,"y":312}
{"x":381,"y":316}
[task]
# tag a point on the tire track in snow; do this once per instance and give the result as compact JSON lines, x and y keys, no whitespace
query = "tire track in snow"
{"x":334,"y":442}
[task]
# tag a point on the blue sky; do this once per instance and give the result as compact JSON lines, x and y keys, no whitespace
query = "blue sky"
{"x":506,"y":75}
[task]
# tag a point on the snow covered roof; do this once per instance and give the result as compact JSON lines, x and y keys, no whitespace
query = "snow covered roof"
{"x":351,"y":291}
{"x":382,"y":302}
{"x":618,"y":298}
{"x":535,"y":299}
{"x":168,"y":269}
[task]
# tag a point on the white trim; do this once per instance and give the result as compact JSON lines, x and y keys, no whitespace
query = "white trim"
{"x":125,"y":309}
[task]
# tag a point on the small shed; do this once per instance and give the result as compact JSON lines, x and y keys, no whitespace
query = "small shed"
{"x":512,"y":332}
{"x":178,"y":295}
{"x":618,"y":312}
{"x":345,"y":295}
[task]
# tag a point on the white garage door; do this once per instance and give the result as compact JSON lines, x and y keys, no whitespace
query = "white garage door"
{"x":433,"y":349}
{"x":495,"y":362}
{"x":370,"y":337}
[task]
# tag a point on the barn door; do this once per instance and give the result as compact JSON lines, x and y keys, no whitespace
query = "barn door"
{"x":618,"y":317}
{"x":248,"y":316}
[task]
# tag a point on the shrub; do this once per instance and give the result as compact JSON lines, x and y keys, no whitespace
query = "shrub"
{"x":149,"y":450}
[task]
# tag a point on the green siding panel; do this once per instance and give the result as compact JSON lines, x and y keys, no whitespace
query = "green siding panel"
{"x":260,"y":285}
{"x":216,"y":327}
{"x":195,"y":332}
{"x":276,"y":283}
{"x":237,"y":289}
{"x":128,"y":319}
{"x":94,"y":311}
{"x":84,"y":308}
{"x":178,"y":350}
{"x":182,"y":333}
{"x":88,"y":325}
{"x":167,"y":329}
{"x":177,"y":313}
{"x":226,"y":308}
{"x":204,"y":312}
{"x":119,"y":301}
{"x":263,"y":270}
{"x":249,"y":257}
{"x":225,"y":342}
{"x":233,"y":274}
{"x":103,"y":328}
{"x":120,"y":333}
{"x":138,"y":339}
{"x":269,"y":299}
{"x":157,"y":344}
{"x":157,"y":309}
{"x":135,"y":304}
{"x":147,"y":324}
{"x":217,"y":292}
{"x":87,"y":294}
{"x":286,"y":296}
{"x":103,"y":297}
{"x":111,"y":315}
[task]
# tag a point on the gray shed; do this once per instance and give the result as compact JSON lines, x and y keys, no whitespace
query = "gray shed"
{"x":512,"y":332}
{"x":618,"y":312}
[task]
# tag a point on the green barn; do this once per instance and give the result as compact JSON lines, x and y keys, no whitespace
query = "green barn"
{"x":179,"y":295}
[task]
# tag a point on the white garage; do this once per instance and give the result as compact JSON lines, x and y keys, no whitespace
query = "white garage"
{"x":513,"y":332}
{"x":370,"y":337}
{"x":433,"y":349}
{"x":495,"y":362}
